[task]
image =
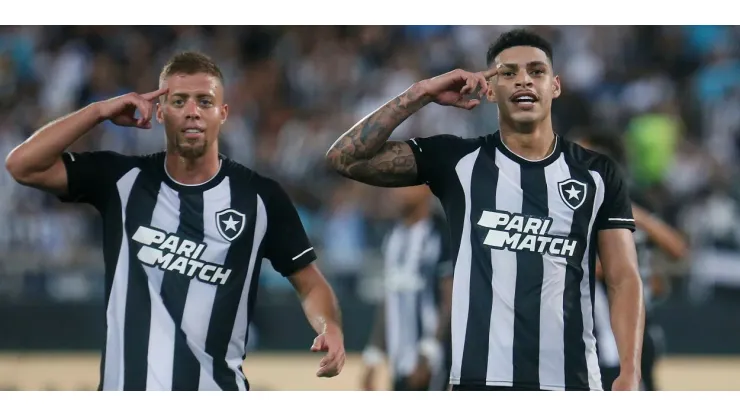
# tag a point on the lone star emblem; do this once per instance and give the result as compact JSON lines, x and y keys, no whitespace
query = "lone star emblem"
{"x":230,"y":223}
{"x":576,"y":193}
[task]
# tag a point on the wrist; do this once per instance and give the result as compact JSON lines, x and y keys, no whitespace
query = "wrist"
{"x":96,"y":109}
{"x":629,"y":368}
{"x":332,"y":328}
{"x":419,"y":93}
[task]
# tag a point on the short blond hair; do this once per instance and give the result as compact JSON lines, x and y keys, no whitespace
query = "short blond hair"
{"x":190,"y":63}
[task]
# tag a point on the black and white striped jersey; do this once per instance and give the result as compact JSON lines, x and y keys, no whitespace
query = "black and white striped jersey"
{"x":415,"y":259}
{"x":182,"y":265}
{"x":524,"y":242}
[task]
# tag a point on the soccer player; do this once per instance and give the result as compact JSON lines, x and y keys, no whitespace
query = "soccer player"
{"x":411,"y":326}
{"x":528,"y":212}
{"x":185,"y":231}
{"x":650,"y":232}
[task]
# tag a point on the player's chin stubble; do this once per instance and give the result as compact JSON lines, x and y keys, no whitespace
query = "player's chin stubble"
{"x":190,"y":151}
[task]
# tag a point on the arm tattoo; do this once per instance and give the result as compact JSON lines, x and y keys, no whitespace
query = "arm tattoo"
{"x":364,"y":154}
{"x":393,"y":166}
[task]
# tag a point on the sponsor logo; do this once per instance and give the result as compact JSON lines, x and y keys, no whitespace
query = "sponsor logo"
{"x":171,"y":252}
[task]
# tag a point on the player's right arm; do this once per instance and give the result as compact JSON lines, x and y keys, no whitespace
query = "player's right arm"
{"x":37,"y":162}
{"x":364,"y":153}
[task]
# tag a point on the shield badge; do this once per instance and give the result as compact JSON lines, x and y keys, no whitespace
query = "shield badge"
{"x":573,"y":193}
{"x":230,"y":223}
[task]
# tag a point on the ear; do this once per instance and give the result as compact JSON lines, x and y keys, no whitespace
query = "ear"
{"x":556,"y":87}
{"x":160,"y":112}
{"x":224,"y":113}
{"x":490,"y":94}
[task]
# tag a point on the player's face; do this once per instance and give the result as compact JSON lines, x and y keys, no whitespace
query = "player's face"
{"x":192,"y":113}
{"x":410,"y":198}
{"x":525,"y":85}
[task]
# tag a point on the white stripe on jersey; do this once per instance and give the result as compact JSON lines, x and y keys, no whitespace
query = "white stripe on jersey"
{"x":304,"y":252}
{"x":592,"y":360}
{"x":552,"y":352}
{"x":237,"y":345}
{"x":196,"y":316}
{"x":461,"y":282}
{"x":161,"y":352}
{"x":116,"y":312}
{"x":503,"y":263}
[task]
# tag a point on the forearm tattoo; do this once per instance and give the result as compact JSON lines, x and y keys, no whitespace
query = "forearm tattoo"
{"x":364,"y":154}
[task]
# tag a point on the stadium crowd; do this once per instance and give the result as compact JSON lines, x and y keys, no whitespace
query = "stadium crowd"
{"x":671,"y":93}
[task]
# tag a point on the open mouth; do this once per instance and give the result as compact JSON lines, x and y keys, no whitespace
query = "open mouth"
{"x":193,"y":133}
{"x":524,"y":100}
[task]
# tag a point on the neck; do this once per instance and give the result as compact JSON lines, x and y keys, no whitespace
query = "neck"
{"x":418,"y":214}
{"x":531,"y":142}
{"x":192,"y":171}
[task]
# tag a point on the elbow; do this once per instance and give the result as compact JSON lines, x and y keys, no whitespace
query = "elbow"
{"x":334,"y":160}
{"x":19,"y":169}
{"x":14,"y":166}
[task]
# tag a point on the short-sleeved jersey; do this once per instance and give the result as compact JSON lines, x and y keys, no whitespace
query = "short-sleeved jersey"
{"x":415,"y":259}
{"x":182,"y":266}
{"x":524,"y":243}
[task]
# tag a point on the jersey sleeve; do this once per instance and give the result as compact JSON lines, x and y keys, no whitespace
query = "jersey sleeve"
{"x":432,"y":154}
{"x":616,"y":210}
{"x":91,"y":176}
{"x":287,"y":245}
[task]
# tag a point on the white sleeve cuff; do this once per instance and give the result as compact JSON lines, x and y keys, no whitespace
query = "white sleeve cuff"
{"x":372,"y":356}
{"x":432,"y":350}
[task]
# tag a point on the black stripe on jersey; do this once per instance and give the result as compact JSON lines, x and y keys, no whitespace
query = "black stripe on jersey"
{"x":576,"y":368}
{"x":529,"y":266}
{"x":474,"y":365}
{"x":139,"y":210}
{"x":252,"y":299}
{"x":418,"y":299}
{"x":228,"y":295}
{"x":186,"y":369}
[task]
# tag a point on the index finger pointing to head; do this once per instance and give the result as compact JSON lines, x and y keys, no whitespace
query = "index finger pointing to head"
{"x":154,"y":94}
{"x":490,"y":72}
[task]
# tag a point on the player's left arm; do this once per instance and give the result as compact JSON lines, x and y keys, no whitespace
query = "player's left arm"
{"x":618,"y":257}
{"x":322,"y":311}
{"x":290,"y":252}
{"x":624,"y":288}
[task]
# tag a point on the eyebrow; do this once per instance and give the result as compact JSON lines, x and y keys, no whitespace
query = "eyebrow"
{"x":529,"y":64}
{"x":184,"y":94}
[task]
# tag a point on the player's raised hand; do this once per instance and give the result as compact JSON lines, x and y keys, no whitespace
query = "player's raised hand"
{"x":121,"y":110}
{"x":330,"y":341}
{"x":451,"y":89}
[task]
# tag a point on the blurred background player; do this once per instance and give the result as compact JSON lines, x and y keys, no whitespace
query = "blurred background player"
{"x":412,"y":324}
{"x":651,"y":233}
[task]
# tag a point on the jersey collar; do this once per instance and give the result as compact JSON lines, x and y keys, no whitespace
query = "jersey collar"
{"x":494,"y":142}
{"x":194,"y":188}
